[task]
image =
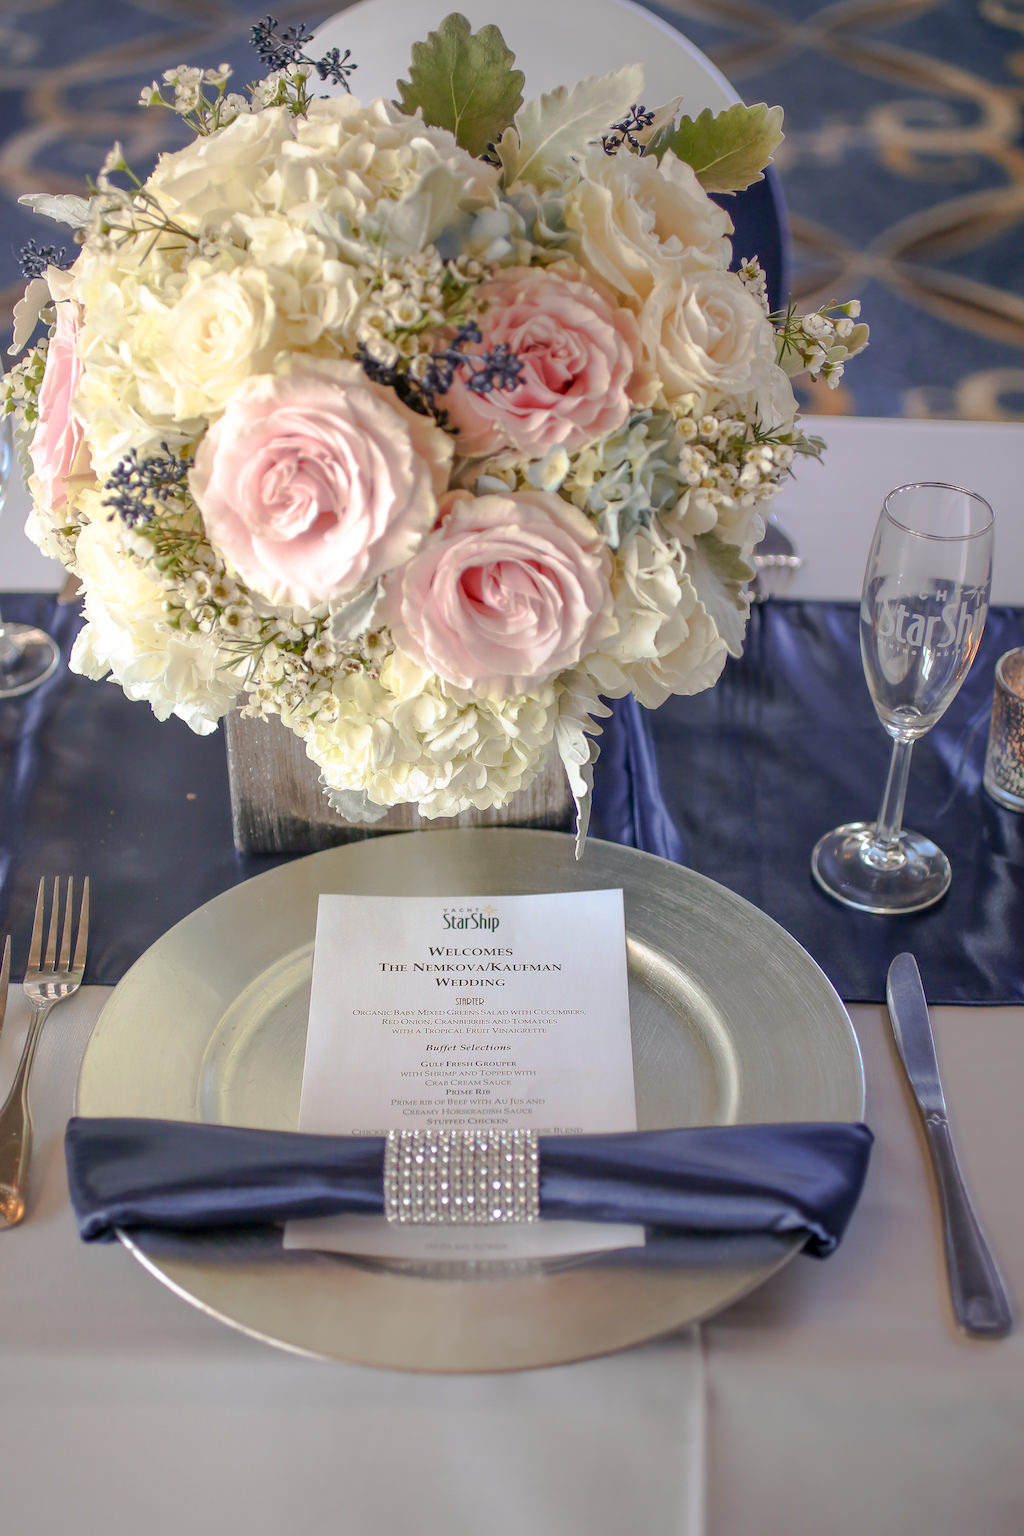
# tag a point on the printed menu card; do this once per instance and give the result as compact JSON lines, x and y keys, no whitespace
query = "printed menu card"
{"x":482,"y":1012}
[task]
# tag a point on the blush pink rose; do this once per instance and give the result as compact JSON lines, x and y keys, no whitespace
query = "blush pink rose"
{"x":57,"y":448}
{"x":313,"y":483}
{"x":507,"y":592}
{"x":579,"y":356}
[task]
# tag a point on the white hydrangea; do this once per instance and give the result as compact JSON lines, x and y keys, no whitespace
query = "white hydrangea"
{"x":375,"y":169}
{"x":666,"y":641}
{"x":627,"y":477}
{"x":403,"y":738}
{"x":314,"y":293}
{"x":127,"y":638}
{"x":225,"y":173}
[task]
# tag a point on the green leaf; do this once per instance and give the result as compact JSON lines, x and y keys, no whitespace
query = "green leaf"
{"x":464,"y":81}
{"x":729,"y":150}
{"x":562,"y":123}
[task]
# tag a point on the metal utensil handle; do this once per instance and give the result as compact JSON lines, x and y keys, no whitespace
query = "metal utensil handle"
{"x":979,"y":1300}
{"x":16,"y":1128}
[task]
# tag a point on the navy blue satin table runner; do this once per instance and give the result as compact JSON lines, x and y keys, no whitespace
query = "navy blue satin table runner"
{"x":750,"y":775}
{"x":740,"y":782}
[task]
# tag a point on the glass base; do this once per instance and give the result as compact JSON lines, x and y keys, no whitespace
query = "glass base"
{"x":27,"y":658}
{"x":910,"y":876}
{"x":1002,"y":794}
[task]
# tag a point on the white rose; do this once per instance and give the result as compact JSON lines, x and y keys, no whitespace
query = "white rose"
{"x":707,"y":336}
{"x":202,"y":348}
{"x":636,"y":222}
{"x":402,"y":738}
{"x":666,"y":642}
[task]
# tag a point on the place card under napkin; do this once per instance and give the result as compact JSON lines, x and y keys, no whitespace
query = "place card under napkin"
{"x":802,"y":1179}
{"x":442,"y":1014}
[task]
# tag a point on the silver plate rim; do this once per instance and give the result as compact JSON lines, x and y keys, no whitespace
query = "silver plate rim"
{"x":658,"y":1301}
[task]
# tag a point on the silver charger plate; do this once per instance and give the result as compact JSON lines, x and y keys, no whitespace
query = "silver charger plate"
{"x":732,"y":1022}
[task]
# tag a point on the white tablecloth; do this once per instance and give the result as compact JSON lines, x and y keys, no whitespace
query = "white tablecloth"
{"x":838,"y":1397}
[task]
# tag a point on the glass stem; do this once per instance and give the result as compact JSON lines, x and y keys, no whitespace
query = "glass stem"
{"x":8,"y":651}
{"x":890,"y":814}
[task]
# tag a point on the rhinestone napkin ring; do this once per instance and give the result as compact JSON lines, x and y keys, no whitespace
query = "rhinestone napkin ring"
{"x":461,"y":1177}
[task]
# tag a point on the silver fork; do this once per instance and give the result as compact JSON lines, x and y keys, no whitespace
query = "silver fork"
{"x":50,"y":977}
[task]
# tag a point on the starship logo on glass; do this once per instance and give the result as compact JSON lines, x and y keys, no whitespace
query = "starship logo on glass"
{"x":918,"y":648}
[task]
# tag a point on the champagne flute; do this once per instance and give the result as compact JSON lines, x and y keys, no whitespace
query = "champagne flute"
{"x":922,"y":613}
{"x":28,"y":655}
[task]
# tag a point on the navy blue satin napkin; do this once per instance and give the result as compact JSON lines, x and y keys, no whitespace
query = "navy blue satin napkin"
{"x":798,"y":1179}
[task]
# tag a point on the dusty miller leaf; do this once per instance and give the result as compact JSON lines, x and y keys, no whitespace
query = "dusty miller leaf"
{"x":65,"y":207}
{"x":415,"y":221}
{"x":728,"y":150}
{"x":720,"y":574}
{"x":561,"y":124}
{"x":350,"y":620}
{"x":353,"y":804}
{"x":575,"y":729}
{"x":27,"y":311}
{"x":464,"y":81}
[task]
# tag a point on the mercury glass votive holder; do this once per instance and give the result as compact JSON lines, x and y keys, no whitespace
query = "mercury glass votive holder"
{"x":1004,"y":760}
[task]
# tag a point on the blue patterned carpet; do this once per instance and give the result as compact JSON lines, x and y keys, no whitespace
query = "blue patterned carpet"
{"x":903,"y":166}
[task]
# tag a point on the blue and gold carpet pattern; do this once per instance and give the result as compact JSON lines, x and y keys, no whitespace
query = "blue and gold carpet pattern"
{"x":903,"y":165}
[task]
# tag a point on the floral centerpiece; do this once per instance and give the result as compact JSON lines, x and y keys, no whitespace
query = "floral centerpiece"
{"x":426,"y":426}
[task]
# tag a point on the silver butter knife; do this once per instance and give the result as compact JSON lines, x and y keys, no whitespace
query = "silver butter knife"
{"x":979,"y":1300}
